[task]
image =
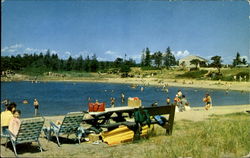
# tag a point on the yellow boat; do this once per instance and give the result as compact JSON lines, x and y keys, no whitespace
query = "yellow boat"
{"x":121,"y":134}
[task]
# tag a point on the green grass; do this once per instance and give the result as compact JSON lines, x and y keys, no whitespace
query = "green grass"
{"x":220,"y":136}
{"x":228,"y":74}
{"x":228,"y":136}
{"x":193,"y":74}
{"x":32,"y":71}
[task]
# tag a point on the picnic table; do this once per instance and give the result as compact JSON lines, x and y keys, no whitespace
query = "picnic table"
{"x":118,"y":115}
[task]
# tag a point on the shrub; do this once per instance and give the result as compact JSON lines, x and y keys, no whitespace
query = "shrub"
{"x":193,"y":74}
{"x":242,"y":74}
{"x":150,"y":68}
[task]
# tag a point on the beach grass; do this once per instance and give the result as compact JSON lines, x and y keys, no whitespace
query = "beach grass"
{"x":220,"y":136}
{"x":226,"y":135}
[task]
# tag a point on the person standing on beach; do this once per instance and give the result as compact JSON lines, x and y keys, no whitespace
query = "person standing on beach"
{"x":176,"y":103}
{"x":208,"y":101}
{"x":36,"y":105}
{"x":185,"y":103}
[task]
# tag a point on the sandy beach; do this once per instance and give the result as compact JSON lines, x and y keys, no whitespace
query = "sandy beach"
{"x":240,"y":86}
{"x":87,"y":149}
{"x":207,"y":84}
{"x":196,"y":113}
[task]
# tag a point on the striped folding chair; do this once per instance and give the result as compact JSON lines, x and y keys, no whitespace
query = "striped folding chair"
{"x":29,"y":131}
{"x":70,"y":125}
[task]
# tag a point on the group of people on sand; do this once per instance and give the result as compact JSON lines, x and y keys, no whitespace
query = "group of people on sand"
{"x":181,"y":103}
{"x":10,"y":119}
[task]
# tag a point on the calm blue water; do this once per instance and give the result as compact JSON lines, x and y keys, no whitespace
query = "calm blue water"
{"x":57,"y":98}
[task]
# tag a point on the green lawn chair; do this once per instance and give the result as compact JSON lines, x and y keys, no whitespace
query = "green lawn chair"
{"x":29,"y":131}
{"x":70,"y":125}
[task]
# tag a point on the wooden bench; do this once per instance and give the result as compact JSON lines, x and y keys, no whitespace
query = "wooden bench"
{"x":152,"y":111}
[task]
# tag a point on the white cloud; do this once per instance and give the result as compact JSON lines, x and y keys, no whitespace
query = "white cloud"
{"x":112,"y":55}
{"x":54,"y":52}
{"x":67,"y":53}
{"x":246,"y":57}
{"x":20,"y":49}
{"x":35,"y":50}
{"x":137,"y":58}
{"x":181,"y":54}
{"x":102,"y":59}
{"x":12,"y":50}
{"x":16,"y":46}
{"x":84,"y":53}
{"x":109,"y":52}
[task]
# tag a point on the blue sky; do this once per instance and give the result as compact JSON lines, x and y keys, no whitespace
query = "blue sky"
{"x":112,"y":28}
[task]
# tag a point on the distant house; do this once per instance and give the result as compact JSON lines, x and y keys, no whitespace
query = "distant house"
{"x":186,"y":61}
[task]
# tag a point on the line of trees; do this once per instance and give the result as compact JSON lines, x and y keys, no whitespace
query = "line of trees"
{"x":158,"y":59}
{"x":51,"y":62}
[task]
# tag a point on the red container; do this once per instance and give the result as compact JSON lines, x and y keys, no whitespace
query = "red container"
{"x":96,"y":107}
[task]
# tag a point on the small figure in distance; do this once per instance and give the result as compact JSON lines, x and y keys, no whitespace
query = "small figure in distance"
{"x":25,"y":101}
{"x":123,"y":98}
{"x":168,"y":101}
{"x":36,"y":105}
{"x":154,"y":104}
{"x":112,"y":102}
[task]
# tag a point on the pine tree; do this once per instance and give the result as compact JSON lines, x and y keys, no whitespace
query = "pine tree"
{"x":169,"y":58}
{"x":158,"y":59}
{"x":143,"y":56}
{"x":237,"y":60}
{"x":147,"y":58}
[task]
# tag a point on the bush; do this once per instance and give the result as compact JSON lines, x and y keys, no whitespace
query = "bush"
{"x":193,"y":74}
{"x":33,"y":71}
{"x":150,"y":68}
{"x":194,"y":69}
{"x":242,"y":74}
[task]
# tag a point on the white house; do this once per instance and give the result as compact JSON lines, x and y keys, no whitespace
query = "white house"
{"x":186,"y":61}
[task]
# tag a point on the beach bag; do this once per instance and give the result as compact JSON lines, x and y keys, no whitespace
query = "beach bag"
{"x":96,"y":107}
{"x":160,"y":120}
{"x":142,"y":117}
